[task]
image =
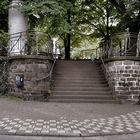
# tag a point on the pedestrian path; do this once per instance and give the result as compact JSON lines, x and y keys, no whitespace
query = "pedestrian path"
{"x":121,"y":124}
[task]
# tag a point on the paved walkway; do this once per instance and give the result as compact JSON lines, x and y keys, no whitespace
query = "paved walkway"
{"x":60,"y":119}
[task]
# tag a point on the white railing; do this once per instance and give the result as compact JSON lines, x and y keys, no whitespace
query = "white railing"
{"x":126,"y":44}
{"x":30,"y":43}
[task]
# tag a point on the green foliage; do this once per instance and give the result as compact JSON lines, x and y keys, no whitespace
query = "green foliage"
{"x":47,"y":15}
{"x":88,"y":18}
{"x":4,"y":15}
{"x":94,"y":18}
{"x":129,"y":14}
{"x":3,"y":38}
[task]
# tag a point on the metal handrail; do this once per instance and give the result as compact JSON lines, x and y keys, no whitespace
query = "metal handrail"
{"x":49,"y":75}
{"x":109,"y":76}
{"x":91,"y":50}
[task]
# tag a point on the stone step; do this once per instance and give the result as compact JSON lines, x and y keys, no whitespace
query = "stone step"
{"x":84,"y":74}
{"x":82,"y":92}
{"x":59,"y":65}
{"x":85,"y":101}
{"x":77,"y":65}
{"x":78,"y":75}
{"x":80,"y":82}
{"x":74,"y":61}
{"x":79,"y":78}
{"x":66,"y":85}
{"x":72,"y":72}
{"x":106,"y":97}
{"x":69,"y":75}
{"x":70,"y":88}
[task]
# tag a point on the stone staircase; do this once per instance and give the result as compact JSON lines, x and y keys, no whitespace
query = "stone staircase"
{"x":79,"y":81}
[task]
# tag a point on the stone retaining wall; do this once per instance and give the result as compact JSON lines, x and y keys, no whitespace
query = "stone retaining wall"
{"x":125,"y":78}
{"x":3,"y":76}
{"x":33,"y":71}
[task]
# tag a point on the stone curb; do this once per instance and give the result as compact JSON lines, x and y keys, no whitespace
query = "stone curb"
{"x":67,"y":135}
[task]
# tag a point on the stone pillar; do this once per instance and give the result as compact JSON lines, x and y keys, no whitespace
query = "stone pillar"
{"x":17,"y":22}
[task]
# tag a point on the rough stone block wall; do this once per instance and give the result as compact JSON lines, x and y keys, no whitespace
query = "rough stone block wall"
{"x":35,"y":82}
{"x":125,"y":78}
{"x":3,"y":76}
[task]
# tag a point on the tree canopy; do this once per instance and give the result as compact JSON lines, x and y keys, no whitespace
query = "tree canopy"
{"x":129,"y":13}
{"x":76,"y":20}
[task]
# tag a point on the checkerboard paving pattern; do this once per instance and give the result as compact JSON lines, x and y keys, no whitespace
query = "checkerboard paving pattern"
{"x":128,"y":123}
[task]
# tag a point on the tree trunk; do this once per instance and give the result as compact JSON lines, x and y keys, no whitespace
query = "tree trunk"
{"x":67,"y":47}
{"x":68,"y":36}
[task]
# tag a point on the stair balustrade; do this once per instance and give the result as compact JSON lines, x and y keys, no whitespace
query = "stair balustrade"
{"x":126,"y":45}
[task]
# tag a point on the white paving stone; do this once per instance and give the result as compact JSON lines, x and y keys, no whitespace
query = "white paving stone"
{"x":1,"y":122}
{"x":4,"y":119}
{"x":131,"y":129}
{"x":91,"y":131}
{"x":37,"y":128}
{"x":123,"y":123}
{"x":12,"y":131}
{"x":106,"y":131}
{"x":8,"y":128}
{"x":16,"y":119}
{"x":29,"y":131}
{"x":53,"y":129}
{"x":22,"y":128}
{"x":39,"y":124}
{"x":61,"y":131}
{"x":45,"y":131}
{"x":76,"y":131}
{"x":40,"y":120}
{"x":119,"y":130}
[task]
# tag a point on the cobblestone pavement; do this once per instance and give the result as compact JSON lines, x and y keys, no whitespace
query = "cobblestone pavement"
{"x":52,"y":119}
{"x":128,"y":123}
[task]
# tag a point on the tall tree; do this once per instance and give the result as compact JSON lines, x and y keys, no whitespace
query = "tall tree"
{"x":129,"y":12}
{"x":98,"y":18}
{"x":68,"y":35}
{"x":53,"y":16}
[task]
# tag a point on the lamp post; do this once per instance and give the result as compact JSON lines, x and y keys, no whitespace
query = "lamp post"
{"x":17,"y":24}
